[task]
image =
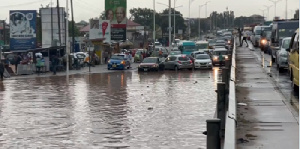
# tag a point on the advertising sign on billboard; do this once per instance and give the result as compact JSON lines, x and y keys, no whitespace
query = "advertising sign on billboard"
{"x":50,"y":29}
{"x":115,"y":12}
{"x":100,"y":29}
{"x":22,"y":29}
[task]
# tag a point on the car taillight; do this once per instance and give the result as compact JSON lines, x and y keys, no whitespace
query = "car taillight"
{"x":191,"y":61}
{"x":179,"y":62}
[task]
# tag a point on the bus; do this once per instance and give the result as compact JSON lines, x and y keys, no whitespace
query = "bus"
{"x":202,"y":45}
{"x":187,"y":47}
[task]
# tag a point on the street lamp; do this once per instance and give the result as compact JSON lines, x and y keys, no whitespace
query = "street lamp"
{"x":199,"y":29}
{"x":275,"y":2}
{"x":174,"y":14}
{"x":263,"y":11}
{"x":268,"y":7}
{"x":190,"y":1}
{"x":154,"y":31}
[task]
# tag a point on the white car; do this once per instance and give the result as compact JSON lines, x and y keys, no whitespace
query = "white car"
{"x":282,"y":54}
{"x":203,"y":61}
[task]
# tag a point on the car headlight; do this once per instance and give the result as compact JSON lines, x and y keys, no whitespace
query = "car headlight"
{"x":264,"y":41}
{"x":209,"y":63}
{"x":109,"y":61}
{"x":123,"y":62}
{"x":215,"y":57}
{"x":155,"y":65}
{"x":226,"y":57}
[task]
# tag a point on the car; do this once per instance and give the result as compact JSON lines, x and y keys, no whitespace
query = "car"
{"x":151,"y":64}
{"x":215,"y":56}
{"x":177,"y":62}
{"x":138,"y":55}
{"x":175,"y":52}
{"x":194,"y":54}
{"x":202,"y":61}
{"x":293,"y":60}
{"x":118,"y":61}
{"x":282,"y":54}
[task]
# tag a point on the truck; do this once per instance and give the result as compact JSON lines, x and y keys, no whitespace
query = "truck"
{"x":280,"y":30}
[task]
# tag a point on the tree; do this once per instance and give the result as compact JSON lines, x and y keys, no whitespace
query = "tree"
{"x":143,"y":16}
{"x":76,"y":30}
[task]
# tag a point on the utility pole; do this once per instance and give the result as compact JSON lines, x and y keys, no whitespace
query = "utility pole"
{"x":58,"y":20}
{"x":174,"y":22}
{"x":189,"y":19}
{"x":4,"y":32}
{"x":199,"y":29}
{"x":286,"y":9}
{"x":275,"y":3}
{"x":67,"y":35}
{"x":73,"y":28}
{"x":268,"y":7}
{"x":263,"y":11}
{"x":170,"y":28}
{"x":51,"y":24}
{"x":154,"y":31}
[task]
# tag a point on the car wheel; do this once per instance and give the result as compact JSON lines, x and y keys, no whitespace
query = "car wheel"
{"x":108,"y":68}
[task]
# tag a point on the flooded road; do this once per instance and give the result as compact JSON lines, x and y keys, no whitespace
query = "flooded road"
{"x":123,"y":109}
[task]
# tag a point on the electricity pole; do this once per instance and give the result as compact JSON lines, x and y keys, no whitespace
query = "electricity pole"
{"x":73,"y":28}
{"x":268,"y":7}
{"x":170,"y":28}
{"x":275,"y":3}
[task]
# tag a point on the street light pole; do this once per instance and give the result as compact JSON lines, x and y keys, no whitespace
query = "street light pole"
{"x":263,"y":11}
{"x":286,"y":9}
{"x":170,"y":28}
{"x":268,"y":7}
{"x":174,"y":22}
{"x":275,"y":3}
{"x":189,"y":19}
{"x":67,"y":35}
{"x":199,"y":29}
{"x":154,"y":31}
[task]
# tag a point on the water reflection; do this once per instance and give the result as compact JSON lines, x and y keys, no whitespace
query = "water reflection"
{"x":108,"y":110}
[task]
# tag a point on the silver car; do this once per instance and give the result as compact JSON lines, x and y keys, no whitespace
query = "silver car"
{"x":203,"y":61}
{"x":282,"y":54}
{"x":177,"y":62}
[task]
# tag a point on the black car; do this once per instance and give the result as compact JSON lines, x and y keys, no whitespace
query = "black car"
{"x":151,"y":64}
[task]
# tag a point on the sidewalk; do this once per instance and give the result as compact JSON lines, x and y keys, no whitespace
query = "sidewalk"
{"x":264,"y":121}
{"x":97,"y":69}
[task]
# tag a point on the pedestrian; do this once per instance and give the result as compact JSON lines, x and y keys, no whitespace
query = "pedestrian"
{"x":18,"y":60}
{"x":240,"y":36}
{"x":160,"y":53}
{"x":55,"y":62}
{"x":220,"y":59}
{"x":245,"y":36}
{"x":105,"y":57}
{"x":38,"y":64}
{"x":2,"y":69}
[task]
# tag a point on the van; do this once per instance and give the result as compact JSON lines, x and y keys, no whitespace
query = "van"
{"x":293,"y":60}
{"x":257,"y":31}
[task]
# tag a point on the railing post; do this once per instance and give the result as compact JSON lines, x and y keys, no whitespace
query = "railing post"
{"x":221,"y":104}
{"x":213,"y":134}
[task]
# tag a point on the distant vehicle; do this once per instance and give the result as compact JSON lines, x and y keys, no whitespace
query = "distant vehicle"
{"x":151,"y":64}
{"x":280,"y":30}
{"x":212,"y":43}
{"x":265,"y":41}
{"x":282,"y":54}
{"x":175,"y":53}
{"x":157,"y":44}
{"x":118,"y":61}
{"x":202,"y":61}
{"x":194,"y":54}
{"x":177,"y":62}
{"x":165,"y":52}
{"x":255,"y":38}
{"x":202,"y":45}
{"x":293,"y":60}
{"x":187,"y":47}
{"x":138,"y":56}
{"x":216,"y":53}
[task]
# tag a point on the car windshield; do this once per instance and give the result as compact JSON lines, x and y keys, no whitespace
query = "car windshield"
{"x":286,"y":32}
{"x":204,"y":56}
{"x":117,"y":57}
{"x":220,"y":52}
{"x":202,"y":46}
{"x":212,"y":41}
{"x":189,"y":48}
{"x":184,"y":58}
{"x":150,"y":60}
{"x":175,"y":52}
{"x":80,"y":56}
{"x":257,"y":32}
{"x":286,"y":43}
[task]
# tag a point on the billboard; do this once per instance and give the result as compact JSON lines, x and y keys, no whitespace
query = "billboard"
{"x":50,"y":29}
{"x":100,"y":29}
{"x":115,"y":12}
{"x":22,"y":29}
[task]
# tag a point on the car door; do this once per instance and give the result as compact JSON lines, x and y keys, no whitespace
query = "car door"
{"x":169,"y":62}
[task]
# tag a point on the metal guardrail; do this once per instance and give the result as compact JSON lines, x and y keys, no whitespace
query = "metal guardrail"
{"x":230,"y":124}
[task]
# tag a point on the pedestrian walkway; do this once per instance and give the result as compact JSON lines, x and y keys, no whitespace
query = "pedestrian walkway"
{"x":264,"y":120}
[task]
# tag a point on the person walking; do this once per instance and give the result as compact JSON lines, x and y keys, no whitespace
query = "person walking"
{"x":105,"y":57}
{"x":2,"y":69}
{"x":18,"y":60}
{"x":240,"y":36}
{"x":38,"y":64}
{"x":55,"y":62}
{"x":245,"y":36}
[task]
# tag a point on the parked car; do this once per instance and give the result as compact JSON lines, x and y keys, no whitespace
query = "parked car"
{"x":203,"y":61}
{"x":177,"y":62}
{"x":118,"y":61}
{"x":216,"y":53}
{"x":282,"y":54}
{"x":151,"y":64}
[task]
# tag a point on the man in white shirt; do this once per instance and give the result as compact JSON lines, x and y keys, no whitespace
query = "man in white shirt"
{"x":245,"y":36}
{"x":120,"y":16}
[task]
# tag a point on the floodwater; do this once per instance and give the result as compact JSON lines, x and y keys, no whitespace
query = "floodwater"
{"x":123,"y":109}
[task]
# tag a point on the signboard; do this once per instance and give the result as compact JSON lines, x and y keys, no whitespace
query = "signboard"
{"x":115,"y":12}
{"x":22,"y":29}
{"x":100,"y":29}
{"x":50,"y":29}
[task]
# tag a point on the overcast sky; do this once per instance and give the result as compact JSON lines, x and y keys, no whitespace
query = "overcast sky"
{"x":86,"y":9}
